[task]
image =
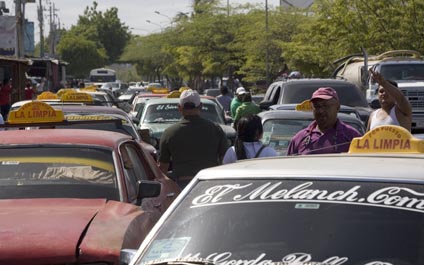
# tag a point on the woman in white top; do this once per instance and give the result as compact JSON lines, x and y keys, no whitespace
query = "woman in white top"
{"x":247,"y":144}
{"x":395,"y":108}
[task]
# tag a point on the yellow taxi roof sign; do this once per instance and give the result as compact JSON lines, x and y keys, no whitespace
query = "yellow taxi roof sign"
{"x":35,"y":112}
{"x":174,"y":94}
{"x":62,"y":91}
{"x":304,"y":106}
{"x":47,"y":95}
{"x":160,"y":91}
{"x":76,"y":97}
{"x":91,"y":88}
{"x":183,"y":88}
{"x":387,"y":139}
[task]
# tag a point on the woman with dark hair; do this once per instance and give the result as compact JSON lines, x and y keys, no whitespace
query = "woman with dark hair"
{"x":247,"y":144}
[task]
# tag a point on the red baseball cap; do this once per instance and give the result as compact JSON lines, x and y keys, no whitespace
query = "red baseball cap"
{"x":325,"y":93}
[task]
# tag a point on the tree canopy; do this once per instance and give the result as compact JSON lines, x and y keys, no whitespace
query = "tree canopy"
{"x":245,"y":41}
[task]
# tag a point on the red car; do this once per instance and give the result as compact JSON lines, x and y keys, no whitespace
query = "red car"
{"x":76,"y":196}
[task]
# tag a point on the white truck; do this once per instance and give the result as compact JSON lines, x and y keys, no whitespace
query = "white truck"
{"x":405,"y":67}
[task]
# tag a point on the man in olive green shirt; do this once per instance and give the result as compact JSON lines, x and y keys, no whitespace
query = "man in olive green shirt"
{"x":193,"y":143}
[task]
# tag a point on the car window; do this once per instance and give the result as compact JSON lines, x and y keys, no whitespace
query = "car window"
{"x":310,"y":221}
{"x":54,"y":172}
{"x":405,"y":71}
{"x":122,"y":125}
{"x":134,"y":170}
{"x":349,"y":95}
{"x":278,"y":132}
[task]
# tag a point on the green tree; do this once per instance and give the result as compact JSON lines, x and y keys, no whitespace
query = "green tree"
{"x":81,"y":54}
{"x":341,"y":27}
{"x":104,"y":29}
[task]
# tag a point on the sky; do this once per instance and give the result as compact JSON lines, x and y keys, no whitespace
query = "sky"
{"x":133,"y":13}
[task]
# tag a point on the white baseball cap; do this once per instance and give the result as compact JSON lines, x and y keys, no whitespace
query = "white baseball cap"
{"x":240,"y":91}
{"x":189,"y":96}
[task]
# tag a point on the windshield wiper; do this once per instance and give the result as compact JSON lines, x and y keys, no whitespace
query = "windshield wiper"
{"x":181,"y":261}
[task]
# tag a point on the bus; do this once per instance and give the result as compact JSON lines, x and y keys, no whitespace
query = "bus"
{"x":102,"y":75}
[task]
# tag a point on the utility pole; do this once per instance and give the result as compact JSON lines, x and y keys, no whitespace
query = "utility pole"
{"x":19,"y":29}
{"x":267,"y":43}
{"x":41,"y":24}
{"x":52,"y":29}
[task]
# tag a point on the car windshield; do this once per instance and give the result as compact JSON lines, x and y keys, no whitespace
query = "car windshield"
{"x":168,"y":113}
{"x":348,"y":94}
{"x":295,"y":221}
{"x":120,"y":125}
{"x":278,"y":132}
{"x":57,"y":172}
{"x":403,"y":71}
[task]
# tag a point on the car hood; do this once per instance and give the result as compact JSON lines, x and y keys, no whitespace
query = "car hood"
{"x":44,"y":230}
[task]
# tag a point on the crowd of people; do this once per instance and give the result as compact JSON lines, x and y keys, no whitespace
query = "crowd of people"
{"x":184,"y":144}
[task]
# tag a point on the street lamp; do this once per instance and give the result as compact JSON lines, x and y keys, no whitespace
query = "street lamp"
{"x":159,"y":25}
{"x":140,"y":29}
{"x":160,"y":14}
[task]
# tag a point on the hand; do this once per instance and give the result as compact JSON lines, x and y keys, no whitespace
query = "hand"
{"x":377,"y":77}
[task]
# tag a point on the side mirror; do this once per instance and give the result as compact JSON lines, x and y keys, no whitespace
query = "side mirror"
{"x":126,"y":255}
{"x":264,"y":105}
{"x":147,"y":189}
{"x":147,"y":137}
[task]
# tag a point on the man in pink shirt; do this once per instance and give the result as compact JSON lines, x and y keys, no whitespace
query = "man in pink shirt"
{"x":326,"y":134}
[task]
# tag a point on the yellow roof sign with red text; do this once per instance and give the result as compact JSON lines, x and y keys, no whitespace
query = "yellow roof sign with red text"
{"x":76,"y":97}
{"x":47,"y":95}
{"x":174,"y":94}
{"x":62,"y":91}
{"x":304,"y":106}
{"x":160,"y":91}
{"x":387,"y":139}
{"x":35,"y":112}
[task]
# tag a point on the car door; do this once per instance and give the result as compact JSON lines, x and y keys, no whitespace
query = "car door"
{"x":139,"y":165}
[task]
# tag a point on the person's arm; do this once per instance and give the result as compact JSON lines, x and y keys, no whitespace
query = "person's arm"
{"x":223,"y":144}
{"x":401,"y":101}
{"x":164,"y":154}
{"x":369,"y":121}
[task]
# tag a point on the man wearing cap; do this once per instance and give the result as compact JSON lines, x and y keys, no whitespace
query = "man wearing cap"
{"x":191,"y":144}
{"x":326,"y":134}
{"x":237,"y":100}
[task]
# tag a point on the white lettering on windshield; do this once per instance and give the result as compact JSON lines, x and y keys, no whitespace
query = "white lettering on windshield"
{"x":290,"y":259}
{"x":389,"y":197}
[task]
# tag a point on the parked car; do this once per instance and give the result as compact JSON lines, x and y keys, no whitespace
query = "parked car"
{"x":130,"y":93}
{"x":281,"y":125}
{"x":343,"y":109}
{"x":159,"y":114}
{"x":139,"y":102}
{"x":212,"y":92}
{"x":298,"y":90}
{"x":353,"y":208}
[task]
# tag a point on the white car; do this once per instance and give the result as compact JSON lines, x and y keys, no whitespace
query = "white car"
{"x":363,"y":208}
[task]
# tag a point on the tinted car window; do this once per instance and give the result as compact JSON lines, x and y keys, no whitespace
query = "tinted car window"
{"x":410,"y":71}
{"x":322,"y":222}
{"x":349,"y":95}
{"x":73,"y":172}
